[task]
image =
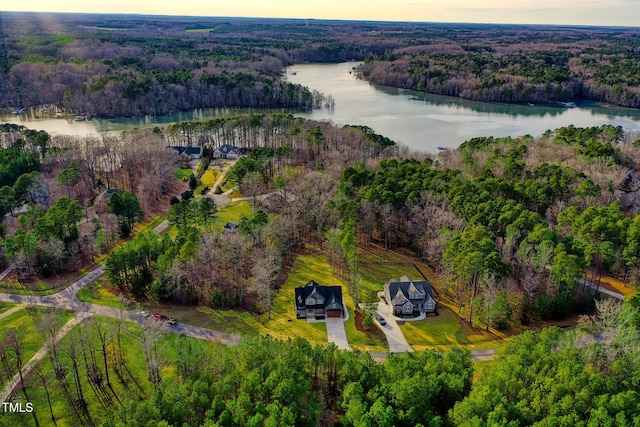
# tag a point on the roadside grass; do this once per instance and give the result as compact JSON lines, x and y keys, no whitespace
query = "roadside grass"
{"x":99,"y":292}
{"x":618,"y":286}
{"x":13,"y":286}
{"x":446,"y":331}
{"x":479,"y":368}
{"x":207,"y":179}
{"x":24,"y":322}
{"x":134,"y":381}
{"x":4,"y":306}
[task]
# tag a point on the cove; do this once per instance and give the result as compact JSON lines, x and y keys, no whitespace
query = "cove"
{"x":424,"y":122}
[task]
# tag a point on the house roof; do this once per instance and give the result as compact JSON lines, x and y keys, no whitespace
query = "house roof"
{"x":332,"y":295}
{"x":186,"y":150}
{"x":227,"y":148}
{"x":401,"y":290}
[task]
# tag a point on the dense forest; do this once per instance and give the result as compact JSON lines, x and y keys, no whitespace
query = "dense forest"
{"x":516,"y":227}
{"x":135,"y":65}
{"x":113,"y":373}
{"x":523,"y":227}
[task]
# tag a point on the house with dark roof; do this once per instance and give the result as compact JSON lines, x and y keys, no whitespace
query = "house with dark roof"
{"x":314,"y":301}
{"x":193,"y":153}
{"x":409,"y":298}
{"x":230,"y":228}
{"x":226,"y":151}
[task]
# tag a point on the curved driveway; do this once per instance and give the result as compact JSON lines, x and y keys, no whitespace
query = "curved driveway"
{"x":397,"y":342}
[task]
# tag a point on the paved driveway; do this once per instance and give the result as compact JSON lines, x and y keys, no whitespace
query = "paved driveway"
{"x":395,"y":337}
{"x":336,"y":332}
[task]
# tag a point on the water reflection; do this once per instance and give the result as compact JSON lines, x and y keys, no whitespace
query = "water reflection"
{"x":420,"y":121}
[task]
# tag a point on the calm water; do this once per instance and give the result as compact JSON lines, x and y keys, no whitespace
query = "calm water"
{"x":424,"y":122}
{"x":419,"y":121}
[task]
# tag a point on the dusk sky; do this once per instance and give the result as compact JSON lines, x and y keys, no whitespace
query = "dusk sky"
{"x":583,"y":12}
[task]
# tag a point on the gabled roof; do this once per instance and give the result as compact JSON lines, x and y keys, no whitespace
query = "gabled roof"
{"x":188,"y":151}
{"x":332,"y":295}
{"x":399,"y":290}
{"x":227,"y":148}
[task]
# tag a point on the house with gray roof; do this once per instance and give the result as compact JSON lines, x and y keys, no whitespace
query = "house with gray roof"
{"x":318,"y":302}
{"x":227,"y":151}
{"x":409,"y":298}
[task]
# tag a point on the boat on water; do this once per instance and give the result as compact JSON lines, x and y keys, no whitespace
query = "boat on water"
{"x":531,"y":104}
{"x":58,"y":115}
{"x":19,"y":110}
{"x":80,"y":118}
{"x":442,"y":148}
{"x":569,"y":104}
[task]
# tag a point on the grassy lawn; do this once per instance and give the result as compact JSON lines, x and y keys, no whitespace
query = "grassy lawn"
{"x":376,"y":266}
{"x":283,"y":323}
{"x":24,"y":321}
{"x":4,"y":306}
{"x":38,"y":287}
{"x":232,"y":213}
{"x":183,"y":173}
{"x":445,"y":331}
{"x":99,"y":292}
{"x":207,"y":179}
{"x":133,"y":381}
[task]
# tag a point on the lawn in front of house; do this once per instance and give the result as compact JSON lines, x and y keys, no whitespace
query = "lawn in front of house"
{"x":377,"y":266}
{"x":283,"y":323}
{"x":446,"y":331}
{"x":232,"y":212}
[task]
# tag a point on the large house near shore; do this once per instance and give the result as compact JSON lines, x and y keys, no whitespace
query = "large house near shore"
{"x":408,"y":298}
{"x":314,"y":301}
{"x":226,"y":151}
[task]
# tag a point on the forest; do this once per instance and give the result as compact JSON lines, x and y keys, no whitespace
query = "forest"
{"x":108,"y":66}
{"x":516,"y":227}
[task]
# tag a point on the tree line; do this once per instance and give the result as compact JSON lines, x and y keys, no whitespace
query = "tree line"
{"x":518,"y":232}
{"x":588,"y":375}
{"x":162,"y":66}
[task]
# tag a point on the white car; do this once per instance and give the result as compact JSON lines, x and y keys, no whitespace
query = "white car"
{"x":143,"y":314}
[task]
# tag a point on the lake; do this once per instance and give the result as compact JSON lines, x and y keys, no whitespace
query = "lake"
{"x":419,"y":121}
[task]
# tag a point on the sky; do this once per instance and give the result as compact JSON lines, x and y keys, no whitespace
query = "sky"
{"x":560,"y":12}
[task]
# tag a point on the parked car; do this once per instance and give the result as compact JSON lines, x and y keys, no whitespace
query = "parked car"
{"x":159,"y":316}
{"x":171,"y":321}
{"x":381,"y":320}
{"x":143,"y":314}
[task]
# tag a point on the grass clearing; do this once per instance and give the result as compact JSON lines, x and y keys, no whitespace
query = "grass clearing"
{"x":445,"y":331}
{"x":99,"y":292}
{"x":133,"y":381}
{"x":283,"y":322}
{"x":4,"y":306}
{"x":232,"y":213}
{"x":24,"y":322}
{"x":377,"y":266}
{"x":183,"y":174}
